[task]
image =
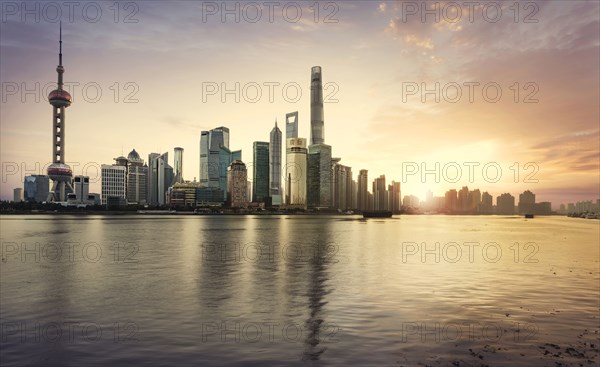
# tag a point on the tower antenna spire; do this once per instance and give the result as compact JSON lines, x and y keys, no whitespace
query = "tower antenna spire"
{"x":60,"y":45}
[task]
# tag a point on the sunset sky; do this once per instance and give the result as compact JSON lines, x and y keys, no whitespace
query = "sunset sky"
{"x":370,"y":53}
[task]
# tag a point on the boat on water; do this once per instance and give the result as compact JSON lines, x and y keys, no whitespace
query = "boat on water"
{"x":377,"y":214}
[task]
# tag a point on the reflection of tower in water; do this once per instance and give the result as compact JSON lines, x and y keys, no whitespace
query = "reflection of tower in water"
{"x":317,"y":329}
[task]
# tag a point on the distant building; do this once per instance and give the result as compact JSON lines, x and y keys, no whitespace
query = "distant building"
{"x":527,"y":203}
{"x":114,"y":182}
{"x":18,"y":195}
{"x":215,"y":158}
{"x":178,"y":166}
{"x":137,"y":179}
{"x":486,"y":206}
{"x":543,"y":208}
{"x":36,"y":188}
{"x":160,"y":178}
{"x":411,"y":201}
{"x":81,"y":185}
{"x":362,"y":190}
{"x":275,"y":166}
{"x":505,"y":204}
{"x":395,"y":198}
{"x":463,"y":200}
{"x":379,"y":194}
{"x":209,"y":197}
{"x":291,"y":125}
{"x":237,"y":182}
{"x":474,"y":201}
{"x":451,"y":201}
{"x":260,"y":172}
{"x":295,"y":172}
{"x":183,"y":194}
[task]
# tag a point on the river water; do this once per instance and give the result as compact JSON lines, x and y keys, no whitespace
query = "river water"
{"x":299,"y":290}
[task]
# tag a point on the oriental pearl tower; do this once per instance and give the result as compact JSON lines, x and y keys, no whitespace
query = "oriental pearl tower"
{"x":59,"y":172}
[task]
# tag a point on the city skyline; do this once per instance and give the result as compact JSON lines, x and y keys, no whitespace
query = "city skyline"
{"x":566,"y":155}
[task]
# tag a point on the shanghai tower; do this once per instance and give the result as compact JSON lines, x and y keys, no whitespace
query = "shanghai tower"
{"x":317,"y":128}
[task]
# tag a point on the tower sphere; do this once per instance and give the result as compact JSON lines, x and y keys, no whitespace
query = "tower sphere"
{"x":60,"y":98}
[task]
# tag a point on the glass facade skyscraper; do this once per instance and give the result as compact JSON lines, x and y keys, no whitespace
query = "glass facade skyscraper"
{"x":36,"y":188}
{"x":318,"y":178}
{"x":260,"y":177}
{"x":291,"y":125}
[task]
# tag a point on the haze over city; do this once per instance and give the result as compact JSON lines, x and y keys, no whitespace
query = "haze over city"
{"x":154,"y":75}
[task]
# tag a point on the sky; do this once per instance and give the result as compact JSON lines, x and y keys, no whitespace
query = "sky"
{"x":500,"y":96}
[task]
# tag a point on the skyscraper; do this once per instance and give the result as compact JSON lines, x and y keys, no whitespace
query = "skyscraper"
{"x":204,"y":148}
{"x":237,"y":182}
{"x":319,"y":176}
{"x":275,"y":165}
{"x":114,"y":181}
{"x":59,"y":172}
{"x":36,"y":188}
{"x":295,"y":172}
{"x":291,"y":125}
{"x":451,"y":201}
{"x":215,"y":158}
{"x":341,"y":186}
{"x":178,"y":165}
{"x":380,"y":194}
{"x":260,"y":176}
{"x":317,"y":129}
{"x":137,"y":177}
{"x":362,"y":190}
{"x":160,"y":177}
{"x":395,"y":198}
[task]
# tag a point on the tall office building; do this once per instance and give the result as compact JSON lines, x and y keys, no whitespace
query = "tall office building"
{"x":291,"y":125}
{"x":160,"y":177}
{"x":319,"y":176}
{"x":395,"y":197}
{"x":380,"y":194}
{"x":362,"y":190}
{"x":204,"y":149}
{"x":451,"y":201}
{"x":317,"y":128}
{"x":505,"y":204}
{"x":215,"y":158}
{"x":237,"y":185}
{"x":275,"y":166}
{"x":260,"y":175}
{"x":341,"y":186}
{"x":178,"y":165}
{"x":114,"y":182}
{"x":295,"y":172}
{"x":474,"y":201}
{"x":486,"y":206}
{"x":36,"y":188}
{"x":59,"y":172}
{"x":463,"y":200}
{"x":137,"y":179}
